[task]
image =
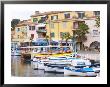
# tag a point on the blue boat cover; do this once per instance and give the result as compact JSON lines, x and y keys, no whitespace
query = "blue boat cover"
{"x":84,"y":70}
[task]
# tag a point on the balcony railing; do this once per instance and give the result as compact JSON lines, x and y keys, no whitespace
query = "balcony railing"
{"x":41,"y":31}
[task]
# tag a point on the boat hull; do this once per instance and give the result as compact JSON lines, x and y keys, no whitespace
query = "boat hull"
{"x":73,"y":72}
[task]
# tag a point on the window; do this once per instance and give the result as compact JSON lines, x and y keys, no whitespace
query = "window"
{"x":35,"y":19}
{"x":95,"y":32}
{"x":55,"y":17}
{"x":32,"y":36}
{"x":18,"y":36}
{"x":96,"y":13}
{"x":52,"y":34}
{"x":41,"y":28}
{"x":52,"y":25}
{"x":43,"y":18}
{"x":33,"y":27}
{"x":81,"y":14}
{"x":18,"y":29}
{"x":67,"y":15}
{"x":29,"y":27}
{"x":75,"y":24}
{"x":64,"y":24}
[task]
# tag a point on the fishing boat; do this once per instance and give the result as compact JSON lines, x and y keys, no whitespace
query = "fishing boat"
{"x":55,"y":68}
{"x":15,"y":52}
{"x":96,"y":67}
{"x":82,"y":72}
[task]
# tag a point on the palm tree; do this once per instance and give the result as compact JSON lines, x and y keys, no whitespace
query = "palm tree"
{"x":47,"y":38}
{"x":81,"y":32}
{"x":62,"y":38}
{"x":67,"y":36}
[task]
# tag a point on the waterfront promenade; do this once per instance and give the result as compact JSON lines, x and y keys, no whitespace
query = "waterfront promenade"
{"x":92,"y":55}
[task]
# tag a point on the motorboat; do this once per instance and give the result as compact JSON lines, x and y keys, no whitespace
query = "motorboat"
{"x":82,"y":72}
{"x":96,"y":67}
{"x":56,"y":68}
{"x":15,"y":52}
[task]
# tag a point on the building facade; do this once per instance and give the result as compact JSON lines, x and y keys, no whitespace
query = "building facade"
{"x":55,"y":24}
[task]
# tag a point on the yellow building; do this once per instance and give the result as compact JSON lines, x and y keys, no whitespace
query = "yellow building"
{"x":56,"y":23}
{"x":21,"y":31}
{"x":59,"y":23}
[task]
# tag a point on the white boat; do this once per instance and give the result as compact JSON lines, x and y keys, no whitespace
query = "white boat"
{"x":35,"y":59}
{"x":15,"y":49}
{"x":40,"y":65}
{"x":56,"y":68}
{"x":80,"y":62}
{"x":96,"y":69}
{"x":49,"y":69}
{"x":59,"y":69}
{"x":34,"y":65}
{"x":15,"y":52}
{"x":82,"y":72}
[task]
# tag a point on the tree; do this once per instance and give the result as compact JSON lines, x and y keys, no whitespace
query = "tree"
{"x":67,"y":36}
{"x":97,"y":22}
{"x":47,"y":38}
{"x":81,"y":32}
{"x":14,"y":22}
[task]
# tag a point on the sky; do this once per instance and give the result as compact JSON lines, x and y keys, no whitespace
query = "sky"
{"x":22,"y":12}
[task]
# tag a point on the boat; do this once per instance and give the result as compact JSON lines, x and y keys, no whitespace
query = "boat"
{"x":55,"y":68}
{"x":82,"y":72}
{"x":15,"y":49}
{"x":15,"y":52}
{"x":59,"y":69}
{"x":96,"y":67}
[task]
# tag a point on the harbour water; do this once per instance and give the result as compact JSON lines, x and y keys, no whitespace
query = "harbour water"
{"x":21,"y":68}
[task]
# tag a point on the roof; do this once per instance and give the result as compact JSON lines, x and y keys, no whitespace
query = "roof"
{"x":47,"y":13}
{"x":25,"y":23}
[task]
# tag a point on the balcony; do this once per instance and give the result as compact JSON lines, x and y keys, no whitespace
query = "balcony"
{"x":41,"y":31}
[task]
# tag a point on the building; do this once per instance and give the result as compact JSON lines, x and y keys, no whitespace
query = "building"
{"x":93,"y":37}
{"x":57,"y":23}
{"x":31,"y":32}
{"x":40,"y":19}
{"x":21,"y":31}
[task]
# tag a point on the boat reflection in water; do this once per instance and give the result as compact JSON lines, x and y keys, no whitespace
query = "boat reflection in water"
{"x":21,"y":68}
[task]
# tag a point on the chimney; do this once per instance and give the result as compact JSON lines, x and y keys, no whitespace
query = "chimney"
{"x":36,"y":12}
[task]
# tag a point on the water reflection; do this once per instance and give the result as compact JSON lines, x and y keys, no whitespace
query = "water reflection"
{"x":21,"y":68}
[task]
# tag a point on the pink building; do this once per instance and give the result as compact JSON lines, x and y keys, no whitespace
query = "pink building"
{"x":31,"y":31}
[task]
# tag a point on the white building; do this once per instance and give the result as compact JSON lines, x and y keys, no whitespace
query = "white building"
{"x":93,"y":37}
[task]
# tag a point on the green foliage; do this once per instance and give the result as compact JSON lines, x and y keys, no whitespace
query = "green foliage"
{"x":14,"y":22}
{"x":82,"y":31}
{"x":66,"y":36}
{"x":47,"y":38}
{"x":35,"y":19}
{"x":97,"y":22}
